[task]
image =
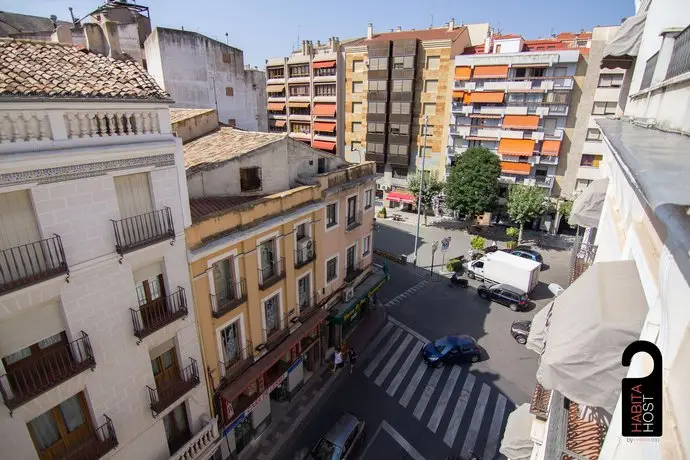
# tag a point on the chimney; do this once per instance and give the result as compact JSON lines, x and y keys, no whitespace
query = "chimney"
{"x":95,"y":39}
{"x":113,"y":38}
{"x":53,"y":19}
{"x":62,"y":34}
{"x":304,"y":47}
{"x":398,"y":29}
{"x":370,"y":31}
{"x":451,"y":25}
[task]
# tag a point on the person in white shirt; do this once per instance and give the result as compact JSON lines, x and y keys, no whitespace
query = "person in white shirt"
{"x":338,"y":360}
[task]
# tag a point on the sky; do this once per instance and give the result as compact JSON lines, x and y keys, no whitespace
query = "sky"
{"x":271,"y":28}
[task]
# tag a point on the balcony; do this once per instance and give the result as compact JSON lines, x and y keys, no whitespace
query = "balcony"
{"x":305,"y":255}
{"x":352,"y":271}
{"x":233,"y":368}
{"x":173,"y":388}
{"x":132,"y":233}
{"x":32,"y":379}
{"x":546,"y":182}
{"x":274,"y":337}
{"x":272,"y":273}
{"x":307,"y":308}
{"x":503,"y":179}
{"x":398,"y":160}
{"x":31,"y":263}
{"x":459,"y":130}
{"x":199,"y":446}
{"x":93,"y":446}
{"x":231,"y":296}
{"x":464,"y":85}
{"x":484,"y":133}
{"x":353,"y":221}
{"x":158,"y":313}
{"x":547,"y":160}
{"x":377,"y":157}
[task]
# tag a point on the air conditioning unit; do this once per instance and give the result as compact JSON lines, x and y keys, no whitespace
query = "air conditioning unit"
{"x":306,"y":247}
{"x":348,"y":294}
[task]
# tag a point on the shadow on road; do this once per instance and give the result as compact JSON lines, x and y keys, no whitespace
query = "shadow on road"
{"x":395,"y":240}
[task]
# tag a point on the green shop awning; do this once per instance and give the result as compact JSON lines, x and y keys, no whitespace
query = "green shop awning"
{"x":345,"y":313}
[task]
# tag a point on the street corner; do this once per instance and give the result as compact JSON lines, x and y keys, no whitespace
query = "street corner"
{"x":387,"y":442}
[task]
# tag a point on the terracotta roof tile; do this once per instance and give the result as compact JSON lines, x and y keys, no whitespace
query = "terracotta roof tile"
{"x":45,"y":69}
{"x":421,"y":34}
{"x":203,"y":207}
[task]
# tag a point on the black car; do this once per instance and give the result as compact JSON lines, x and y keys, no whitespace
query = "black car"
{"x":520,"y":330}
{"x":528,"y":254}
{"x":510,"y":296}
{"x":452,"y":349}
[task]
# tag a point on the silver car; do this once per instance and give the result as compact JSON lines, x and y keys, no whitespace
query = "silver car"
{"x":341,"y":441}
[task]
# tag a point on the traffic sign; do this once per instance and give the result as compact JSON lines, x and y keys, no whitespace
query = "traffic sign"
{"x":445,"y":243}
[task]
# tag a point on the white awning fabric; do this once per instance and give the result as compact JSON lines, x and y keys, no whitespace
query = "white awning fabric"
{"x":591,"y":323}
{"x":537,"y":331}
{"x":625,"y":45}
{"x":517,"y":443}
{"x":587,"y":207}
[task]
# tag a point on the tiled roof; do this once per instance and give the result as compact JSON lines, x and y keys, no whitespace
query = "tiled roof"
{"x":46,"y":69}
{"x":15,"y":23}
{"x":202,"y":207}
{"x":214,"y":149}
{"x":177,"y":115}
{"x":421,"y":34}
{"x":506,"y":37}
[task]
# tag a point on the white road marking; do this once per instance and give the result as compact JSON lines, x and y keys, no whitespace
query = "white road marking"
{"x":393,"y":360}
{"x":412,"y":386}
{"x":404,"y":369}
{"x":443,"y":399}
{"x":371,"y":441}
{"x":411,"y":451}
{"x":407,"y":329}
{"x":495,"y":430}
{"x":377,"y":340}
{"x":426,"y":394}
{"x":476,"y":422}
{"x":459,"y":411}
{"x":408,"y":293}
{"x":384,"y":351}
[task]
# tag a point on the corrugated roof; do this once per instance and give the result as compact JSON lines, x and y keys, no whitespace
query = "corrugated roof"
{"x":177,"y":115}
{"x":202,"y":207}
{"x":46,"y":69}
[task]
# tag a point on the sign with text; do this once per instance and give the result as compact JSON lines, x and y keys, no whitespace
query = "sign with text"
{"x":641,"y":396}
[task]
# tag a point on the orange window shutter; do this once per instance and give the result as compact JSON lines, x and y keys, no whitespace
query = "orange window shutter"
{"x":521,"y":121}
{"x":511,"y":167}
{"x":550,"y":147}
{"x":463,"y":73}
{"x":491,"y":71}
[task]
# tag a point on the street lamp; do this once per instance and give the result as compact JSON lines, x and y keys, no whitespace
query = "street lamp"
{"x":421,"y":190}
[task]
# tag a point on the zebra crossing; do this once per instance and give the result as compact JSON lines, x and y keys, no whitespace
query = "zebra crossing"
{"x":405,"y":295}
{"x":453,"y":402}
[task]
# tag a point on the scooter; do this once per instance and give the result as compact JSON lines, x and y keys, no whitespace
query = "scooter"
{"x":456,"y":280}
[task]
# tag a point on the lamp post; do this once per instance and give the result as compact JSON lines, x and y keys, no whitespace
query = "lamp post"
{"x":421,"y":191}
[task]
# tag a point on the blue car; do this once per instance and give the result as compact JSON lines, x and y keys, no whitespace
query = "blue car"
{"x":452,"y":349}
{"x":528,"y":254}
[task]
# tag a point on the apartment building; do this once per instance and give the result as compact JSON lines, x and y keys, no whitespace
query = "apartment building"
{"x":303,"y":90}
{"x":636,"y":255}
{"x":280,"y":253}
{"x":98,"y":336}
{"x":393,"y":81}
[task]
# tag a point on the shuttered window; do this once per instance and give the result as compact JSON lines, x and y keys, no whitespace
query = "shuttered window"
{"x":18,"y":224}
{"x":133,"y":195}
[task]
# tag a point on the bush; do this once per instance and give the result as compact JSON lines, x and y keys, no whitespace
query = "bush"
{"x":511,"y":244}
{"x":454,"y":265}
{"x":512,"y":233}
{"x":478,"y":243}
{"x":382,"y":213}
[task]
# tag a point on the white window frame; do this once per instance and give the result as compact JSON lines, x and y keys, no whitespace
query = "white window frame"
{"x":429,"y":58}
{"x":357,"y":83}
{"x":358,"y":256}
{"x":311,"y":286}
{"x":279,"y":293}
{"x":219,"y":336}
{"x":337,"y":216}
{"x":337,"y":270}
{"x":235,"y":268}
{"x":364,"y":200}
{"x":275,"y":235}
{"x":368,"y":253}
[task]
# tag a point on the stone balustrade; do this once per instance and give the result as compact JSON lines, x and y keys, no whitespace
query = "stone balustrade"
{"x":200,"y":443}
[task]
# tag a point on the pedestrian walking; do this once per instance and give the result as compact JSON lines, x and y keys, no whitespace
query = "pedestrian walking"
{"x":338,"y":360}
{"x":352,"y":356}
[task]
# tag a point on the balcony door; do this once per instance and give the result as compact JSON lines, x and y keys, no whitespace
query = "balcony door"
{"x":38,"y":365}
{"x":549,"y":126}
{"x":177,"y":428}
{"x":165,"y":368}
{"x":133,"y":195}
{"x":303,"y":289}
{"x":267,"y":252}
{"x":151,"y":298}
{"x":351,"y":258}
{"x":61,"y":429}
{"x":271,"y":310}
{"x":18,"y":227}
{"x":230,"y":338}
{"x":224,"y":280}
{"x":351,"y":210}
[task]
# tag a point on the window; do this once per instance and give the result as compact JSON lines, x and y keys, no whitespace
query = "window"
{"x":357,"y":86}
{"x":591,"y":161}
{"x":610,"y":80}
{"x":358,"y":66}
{"x":61,"y":427}
{"x":428,"y":130}
{"x":356,"y":127}
{"x":431,"y":86}
{"x":378,"y":63}
{"x":177,"y":428}
{"x":301,"y":70}
{"x":321,"y":166}
{"x":351,"y":210}
{"x":331,"y":215}
{"x":250,"y":179}
{"x":399,"y":129}
{"x":325,"y":72}
{"x":429,"y":108}
{"x":133,"y":194}
{"x":368,"y":198}
{"x":304,"y":292}
{"x":356,"y":107}
{"x":433,"y":62}
{"x":560,"y":71}
{"x":366,"y":245}
{"x":403,"y":62}
{"x":520,"y":72}
{"x":224,"y":280}
{"x":272,"y":314}
{"x":378,"y":128}
{"x":230,"y":340}
{"x":377,"y":107}
{"x":228,"y":91}
{"x":374,"y":147}
{"x":301,"y":231}
{"x":324,"y":90}
{"x":538,"y":72}
{"x":276,"y":73}
{"x":300,"y":128}
{"x":299,"y":90}
{"x":593,"y":134}
{"x":331,"y":269}
{"x":377,"y":85}
{"x":356,"y":146}
{"x":394,"y":149}
{"x":498,"y":48}
{"x":557,"y":98}
{"x":400,"y":173}
{"x":402,"y":86}
{"x":300,"y":111}
{"x":604,"y":108}
{"x":399,"y":108}
{"x":426,"y":151}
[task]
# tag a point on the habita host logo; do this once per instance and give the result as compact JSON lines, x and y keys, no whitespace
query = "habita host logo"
{"x":641,"y":396}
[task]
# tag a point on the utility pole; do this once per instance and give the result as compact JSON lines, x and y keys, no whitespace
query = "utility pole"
{"x":421,"y":190}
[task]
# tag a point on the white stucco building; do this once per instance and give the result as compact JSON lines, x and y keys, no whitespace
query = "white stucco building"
{"x":98,"y":340}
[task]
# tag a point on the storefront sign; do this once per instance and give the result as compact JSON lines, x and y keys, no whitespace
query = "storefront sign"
{"x":253,"y":405}
{"x":294,"y":365}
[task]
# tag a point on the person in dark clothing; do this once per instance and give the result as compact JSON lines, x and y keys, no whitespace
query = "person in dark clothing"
{"x":352,"y":356}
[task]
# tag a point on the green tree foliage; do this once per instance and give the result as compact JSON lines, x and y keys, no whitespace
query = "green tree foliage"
{"x":472,"y":186}
{"x":525,"y":203}
{"x":432,"y":188}
{"x":477,"y":243}
{"x":565,"y":209}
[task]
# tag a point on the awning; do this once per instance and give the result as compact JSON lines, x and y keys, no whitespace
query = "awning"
{"x":324,"y":126}
{"x":275,"y":88}
{"x":233,"y":390}
{"x":279,"y":123}
{"x":458,"y":94}
{"x":591,"y":323}
{"x":323,"y":145}
{"x":299,"y":105}
{"x":537,"y":331}
{"x":491,"y":71}
{"x":517,"y":443}
{"x":521,"y":147}
{"x":625,"y":44}
{"x":587,"y":207}
{"x":463,"y":73}
{"x":324,"y":110}
{"x":323,"y":65}
{"x":278,"y":106}
{"x":521,"y":121}
{"x":363,"y":294}
{"x":512,"y":167}
{"x":401,"y":197}
{"x":487,"y":97}
{"x":550,"y":147}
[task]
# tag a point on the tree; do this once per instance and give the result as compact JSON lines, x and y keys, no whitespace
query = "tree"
{"x":472,"y":186}
{"x":477,"y":243}
{"x":525,"y":203}
{"x":565,"y":209}
{"x":432,"y":187}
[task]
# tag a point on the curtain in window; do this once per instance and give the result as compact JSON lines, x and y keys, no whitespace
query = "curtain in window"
{"x":71,"y":413}
{"x":230,"y":340}
{"x":271,"y":307}
{"x":45,"y":430}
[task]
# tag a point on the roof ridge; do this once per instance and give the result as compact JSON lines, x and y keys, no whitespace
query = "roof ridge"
{"x":38,"y":42}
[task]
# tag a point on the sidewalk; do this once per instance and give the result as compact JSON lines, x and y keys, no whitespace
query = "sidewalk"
{"x":271,"y":441}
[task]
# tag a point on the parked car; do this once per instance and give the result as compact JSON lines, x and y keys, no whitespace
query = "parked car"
{"x":452,"y":349}
{"x":510,"y":296}
{"x":520,"y":330}
{"x":528,"y":254}
{"x":341,"y":441}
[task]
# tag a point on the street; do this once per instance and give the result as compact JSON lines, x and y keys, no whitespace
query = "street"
{"x":414,"y":411}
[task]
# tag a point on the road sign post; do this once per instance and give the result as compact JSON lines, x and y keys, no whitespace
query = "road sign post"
{"x":445,"y":243}
{"x":434,"y":247}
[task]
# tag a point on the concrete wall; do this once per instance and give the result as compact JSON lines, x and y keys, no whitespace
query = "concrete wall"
{"x":196,"y":126}
{"x":350,"y":98}
{"x":199,"y":72}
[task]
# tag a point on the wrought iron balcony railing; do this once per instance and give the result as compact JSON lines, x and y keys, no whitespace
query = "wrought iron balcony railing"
{"x":170,"y":390}
{"x":159,"y":313}
{"x":352,"y":271}
{"x":274,"y":336}
{"x":305,"y":255}
{"x":233,"y":367}
{"x":271,"y":273}
{"x":353,"y":221}
{"x":228,"y":297}
{"x":132,"y":233}
{"x":31,"y":263}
